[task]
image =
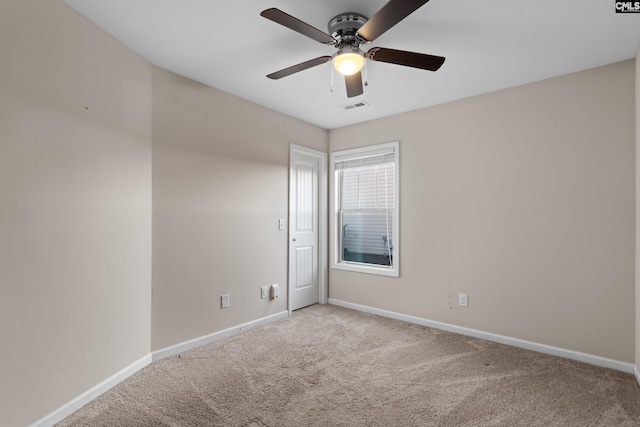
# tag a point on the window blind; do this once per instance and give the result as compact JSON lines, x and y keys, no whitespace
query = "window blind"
{"x":356,"y":160}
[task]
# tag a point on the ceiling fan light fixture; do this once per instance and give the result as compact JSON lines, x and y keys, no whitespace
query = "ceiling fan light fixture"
{"x":348,"y":62}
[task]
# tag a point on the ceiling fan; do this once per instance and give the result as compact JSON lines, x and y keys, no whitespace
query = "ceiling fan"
{"x":347,"y":32}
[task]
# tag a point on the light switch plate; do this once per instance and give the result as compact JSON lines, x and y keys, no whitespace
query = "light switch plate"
{"x":463,"y":300}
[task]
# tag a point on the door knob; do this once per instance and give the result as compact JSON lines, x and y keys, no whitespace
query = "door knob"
{"x":293,"y":239}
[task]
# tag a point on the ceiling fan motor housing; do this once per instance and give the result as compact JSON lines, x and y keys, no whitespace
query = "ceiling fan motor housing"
{"x":344,"y":28}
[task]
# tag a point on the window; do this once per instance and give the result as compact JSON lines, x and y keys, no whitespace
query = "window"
{"x":364,"y":209}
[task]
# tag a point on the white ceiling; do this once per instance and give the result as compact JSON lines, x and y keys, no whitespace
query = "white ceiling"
{"x":489,"y":45}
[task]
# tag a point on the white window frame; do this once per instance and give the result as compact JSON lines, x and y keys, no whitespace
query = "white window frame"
{"x":334,"y":210}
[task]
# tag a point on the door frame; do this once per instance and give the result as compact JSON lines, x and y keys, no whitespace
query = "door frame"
{"x":323,"y":221}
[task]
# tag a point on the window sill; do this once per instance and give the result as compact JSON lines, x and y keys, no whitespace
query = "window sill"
{"x":368,"y":269}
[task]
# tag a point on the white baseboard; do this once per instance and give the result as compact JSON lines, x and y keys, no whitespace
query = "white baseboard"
{"x":86,"y":397}
{"x":515,"y":342}
{"x":636,"y":374}
{"x":197,"y":342}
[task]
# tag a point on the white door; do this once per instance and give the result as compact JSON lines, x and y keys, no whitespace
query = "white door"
{"x":304,"y":281}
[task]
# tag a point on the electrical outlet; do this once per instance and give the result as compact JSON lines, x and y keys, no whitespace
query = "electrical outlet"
{"x":463,"y":300}
{"x":264,"y":292}
{"x":224,"y":301}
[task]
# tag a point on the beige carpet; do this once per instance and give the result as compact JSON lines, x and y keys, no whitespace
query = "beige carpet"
{"x":330,"y":366}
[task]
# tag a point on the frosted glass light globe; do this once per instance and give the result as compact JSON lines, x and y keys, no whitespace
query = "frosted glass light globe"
{"x":348,"y":63}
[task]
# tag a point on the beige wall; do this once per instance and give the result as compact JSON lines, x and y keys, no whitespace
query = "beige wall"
{"x":220,"y":184}
{"x":75,"y":208}
{"x":524,"y":200}
{"x":637,"y":299}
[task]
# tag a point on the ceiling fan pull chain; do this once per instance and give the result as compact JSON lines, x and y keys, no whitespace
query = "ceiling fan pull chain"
{"x":332,"y":88}
{"x":366,"y":81}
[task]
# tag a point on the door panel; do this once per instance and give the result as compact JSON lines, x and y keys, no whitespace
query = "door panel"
{"x":304,"y":267}
{"x":304,"y":195}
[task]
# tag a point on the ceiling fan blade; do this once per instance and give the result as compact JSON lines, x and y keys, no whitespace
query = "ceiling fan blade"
{"x":299,"y":67}
{"x":390,"y":14}
{"x":408,"y":59}
{"x":282,"y":18}
{"x":354,"y":85}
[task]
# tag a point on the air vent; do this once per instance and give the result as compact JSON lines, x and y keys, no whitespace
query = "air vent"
{"x":356,"y":105}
